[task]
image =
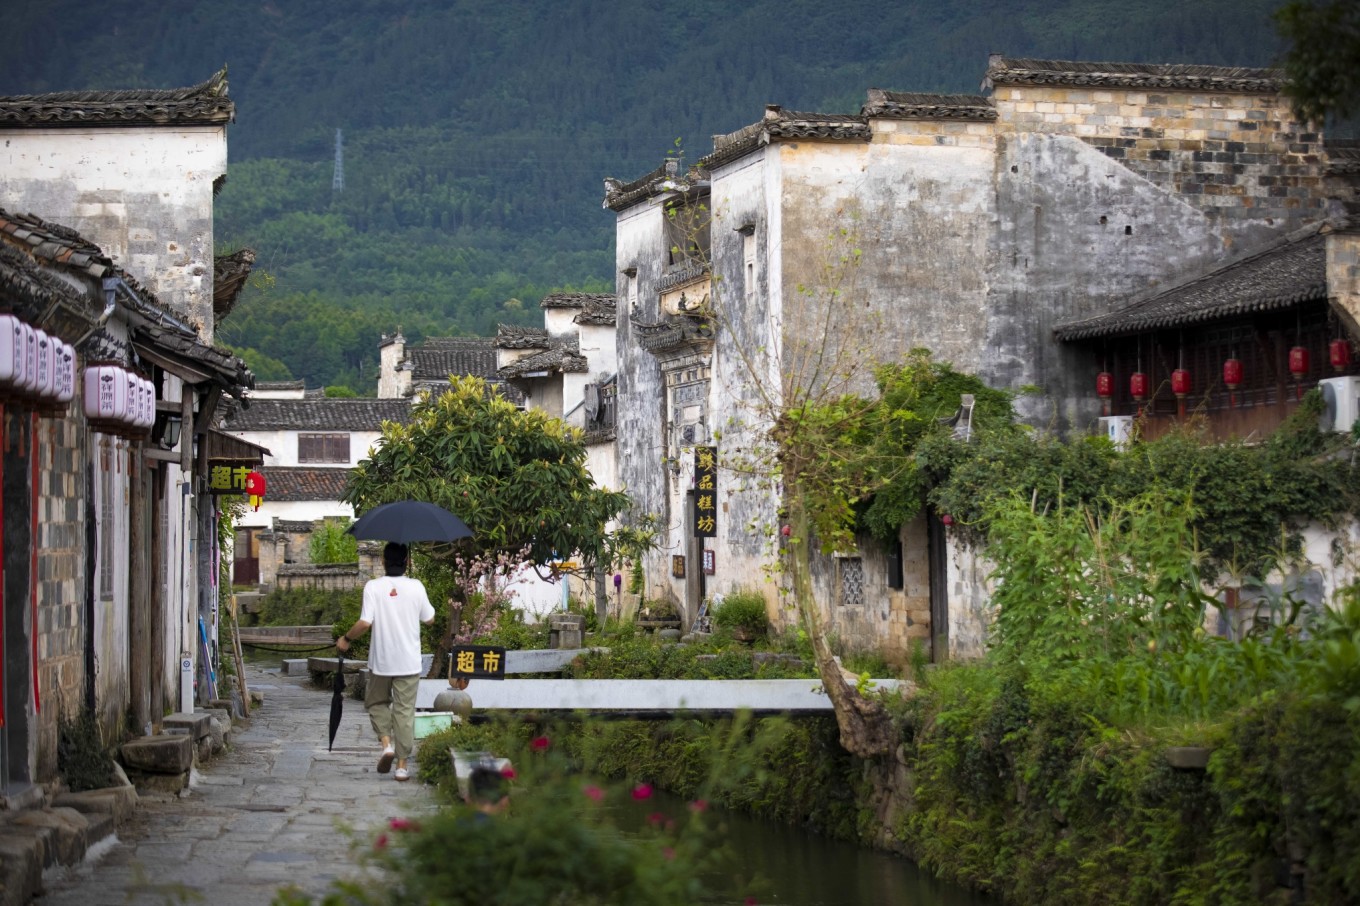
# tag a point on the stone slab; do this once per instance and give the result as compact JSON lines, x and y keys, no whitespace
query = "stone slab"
{"x":1188,"y":758}
{"x":544,"y":660}
{"x":22,"y":857}
{"x":65,"y":831}
{"x":797,"y":695}
{"x":196,"y":724}
{"x":119,"y":802}
{"x":162,"y":754}
{"x":294,"y":666}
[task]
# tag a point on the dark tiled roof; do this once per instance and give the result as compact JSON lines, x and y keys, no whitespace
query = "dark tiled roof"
{"x":281,"y":385}
{"x":619,"y":195}
{"x":62,"y":248}
{"x":284,"y":484}
{"x":1167,"y":76}
{"x":564,"y":357}
{"x":1292,"y":270}
{"x":599,"y":311}
{"x":31,"y":290}
{"x":779,"y":123}
{"x":438,"y":357}
{"x":904,"y":105}
{"x":206,"y":103}
{"x":338,"y":414}
{"x":510,"y":336}
{"x":572,"y":300}
{"x":230,"y":273}
{"x":673,"y":334}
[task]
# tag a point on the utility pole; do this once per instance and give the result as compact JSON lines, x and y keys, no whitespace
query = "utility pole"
{"x":338,"y":180}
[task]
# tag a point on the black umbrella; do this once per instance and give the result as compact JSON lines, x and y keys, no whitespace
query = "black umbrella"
{"x":409,"y":520}
{"x":337,"y":701}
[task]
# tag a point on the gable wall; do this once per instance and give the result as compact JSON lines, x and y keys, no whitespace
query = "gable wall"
{"x":144,"y":195}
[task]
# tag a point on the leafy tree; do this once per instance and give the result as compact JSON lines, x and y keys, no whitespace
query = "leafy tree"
{"x":517,"y":478}
{"x":1323,"y":60}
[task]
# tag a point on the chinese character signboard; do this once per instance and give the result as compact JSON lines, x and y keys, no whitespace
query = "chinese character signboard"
{"x":705,"y":492}
{"x":478,"y":662}
{"x":228,"y":476}
{"x":710,"y":562}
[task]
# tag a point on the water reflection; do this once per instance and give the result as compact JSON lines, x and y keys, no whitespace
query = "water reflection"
{"x":784,"y":865}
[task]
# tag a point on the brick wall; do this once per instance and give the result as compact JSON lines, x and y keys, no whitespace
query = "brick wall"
{"x":1233,"y":156}
{"x":61,"y":582}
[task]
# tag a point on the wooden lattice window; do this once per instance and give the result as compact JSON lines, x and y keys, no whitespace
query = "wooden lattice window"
{"x":331,"y":448}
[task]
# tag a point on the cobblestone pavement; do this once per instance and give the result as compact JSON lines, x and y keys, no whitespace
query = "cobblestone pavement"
{"x":273,"y":810}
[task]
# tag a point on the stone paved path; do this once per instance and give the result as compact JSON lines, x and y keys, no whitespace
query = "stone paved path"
{"x":269,"y":812}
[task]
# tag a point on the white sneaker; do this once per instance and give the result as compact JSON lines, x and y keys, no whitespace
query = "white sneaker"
{"x":385,"y":760}
{"x":402,"y":775}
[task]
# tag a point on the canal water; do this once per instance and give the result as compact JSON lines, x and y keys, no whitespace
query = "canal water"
{"x":791,"y":867}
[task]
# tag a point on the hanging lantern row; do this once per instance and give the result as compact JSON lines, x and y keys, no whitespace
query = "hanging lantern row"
{"x":1339,"y":353}
{"x":118,"y":401}
{"x":36,"y":366}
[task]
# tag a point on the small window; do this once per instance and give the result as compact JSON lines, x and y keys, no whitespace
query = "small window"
{"x":852,"y":581}
{"x":329,"y":448}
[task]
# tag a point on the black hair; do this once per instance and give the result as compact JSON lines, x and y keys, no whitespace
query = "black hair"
{"x":394,"y":558}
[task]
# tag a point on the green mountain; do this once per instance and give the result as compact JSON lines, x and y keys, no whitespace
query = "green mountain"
{"x":476,"y":134}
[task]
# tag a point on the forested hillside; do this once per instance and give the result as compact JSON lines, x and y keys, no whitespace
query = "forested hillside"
{"x":477,"y":133}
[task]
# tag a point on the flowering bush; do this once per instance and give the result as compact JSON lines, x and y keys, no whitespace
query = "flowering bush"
{"x":563,"y":839}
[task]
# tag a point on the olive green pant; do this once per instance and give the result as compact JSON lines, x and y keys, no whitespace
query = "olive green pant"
{"x":391,"y":704}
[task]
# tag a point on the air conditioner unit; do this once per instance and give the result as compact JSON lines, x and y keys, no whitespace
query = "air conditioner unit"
{"x":1118,"y":428}
{"x":1341,"y":402}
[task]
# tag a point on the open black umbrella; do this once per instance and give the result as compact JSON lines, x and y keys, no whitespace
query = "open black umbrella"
{"x":407,"y":521}
{"x":337,"y":701}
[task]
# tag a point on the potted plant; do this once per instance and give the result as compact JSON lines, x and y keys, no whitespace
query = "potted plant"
{"x":742,"y":613}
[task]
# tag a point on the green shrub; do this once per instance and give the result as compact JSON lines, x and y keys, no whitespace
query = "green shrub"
{"x":331,"y":543}
{"x":743,"y":610}
{"x":82,"y":760}
{"x":308,"y":606}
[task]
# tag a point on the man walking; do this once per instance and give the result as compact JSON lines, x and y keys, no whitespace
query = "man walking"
{"x":394,"y":606}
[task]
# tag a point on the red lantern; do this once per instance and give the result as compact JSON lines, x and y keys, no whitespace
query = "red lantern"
{"x":1340,"y":354}
{"x":1138,"y":385}
{"x":1298,"y":362}
{"x":255,"y":489}
{"x":1104,"y":385}
{"x":1180,"y":383}
{"x":1232,"y":374}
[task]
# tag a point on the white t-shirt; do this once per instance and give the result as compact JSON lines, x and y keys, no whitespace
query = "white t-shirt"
{"x":395,"y":606}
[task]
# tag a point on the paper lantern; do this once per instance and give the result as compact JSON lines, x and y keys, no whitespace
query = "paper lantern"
{"x":1180,"y":383}
{"x":1298,"y":362}
{"x":1339,"y":351}
{"x":1104,"y":385}
{"x":1138,"y":385}
{"x":1232,"y":374}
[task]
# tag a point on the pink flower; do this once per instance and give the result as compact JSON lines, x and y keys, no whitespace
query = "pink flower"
{"x":669,"y":853}
{"x":508,"y":772}
{"x":656,"y":818}
{"x":749,"y":901}
{"x":403,"y":824}
{"x":594,"y":792}
{"x":381,"y":842}
{"x":642,"y":791}
{"x":699,"y":805}
{"x":540,"y":743}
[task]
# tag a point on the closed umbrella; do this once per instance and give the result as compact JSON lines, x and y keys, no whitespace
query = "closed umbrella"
{"x":337,"y":701}
{"x":408,"y":521}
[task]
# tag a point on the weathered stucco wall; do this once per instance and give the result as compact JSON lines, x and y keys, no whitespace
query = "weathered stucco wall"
{"x":144,"y":195}
{"x":639,"y":246}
